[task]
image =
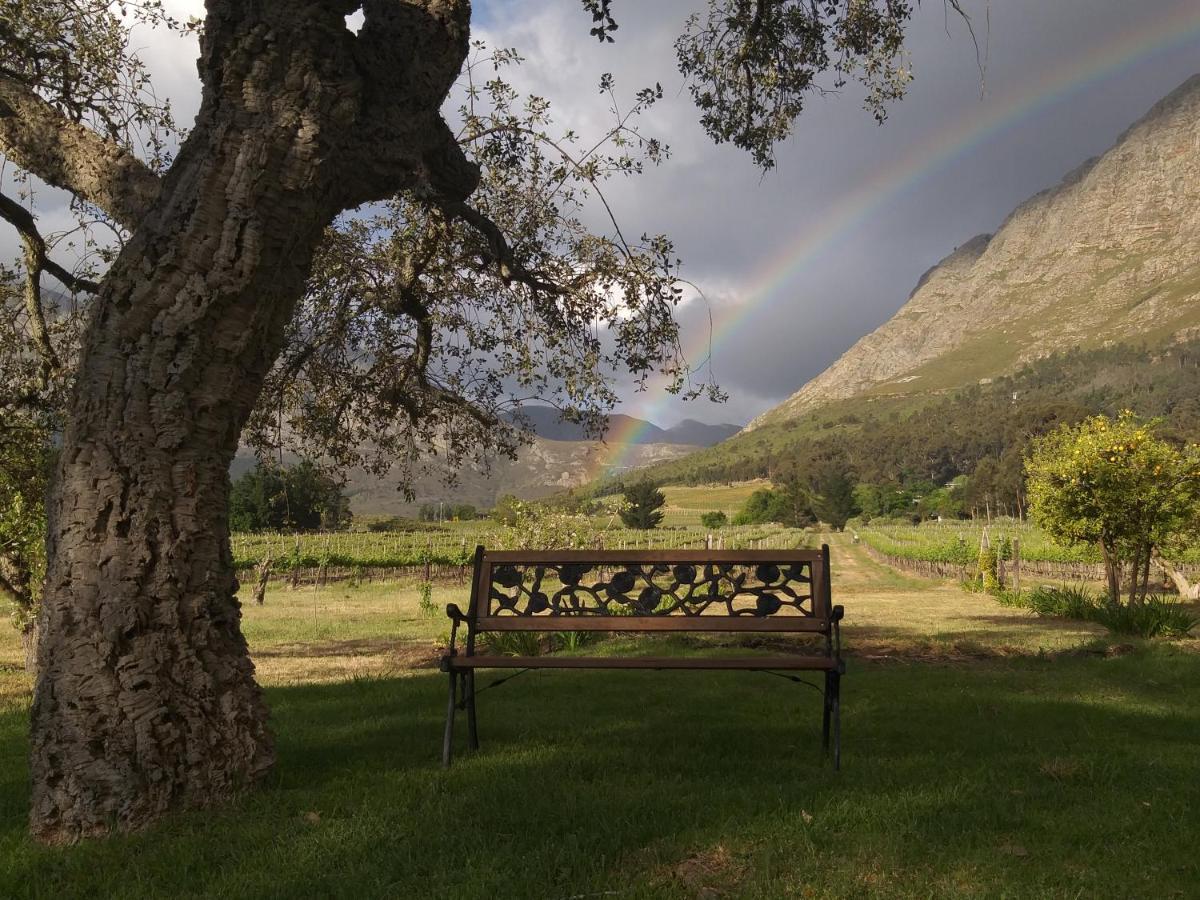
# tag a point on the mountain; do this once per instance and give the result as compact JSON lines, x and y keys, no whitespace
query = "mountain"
{"x":545,"y":423}
{"x":543,"y":468}
{"x":560,"y":457}
{"x":699,"y":434}
{"x":1106,"y":256}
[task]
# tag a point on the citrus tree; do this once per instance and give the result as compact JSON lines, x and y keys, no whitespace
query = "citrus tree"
{"x":1118,"y":485}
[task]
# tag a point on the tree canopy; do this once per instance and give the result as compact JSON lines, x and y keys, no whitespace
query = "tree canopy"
{"x":296,"y":498}
{"x":1116,"y":484}
{"x":643,"y":505}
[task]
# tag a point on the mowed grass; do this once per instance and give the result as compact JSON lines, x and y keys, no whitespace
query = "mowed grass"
{"x":1046,"y":765}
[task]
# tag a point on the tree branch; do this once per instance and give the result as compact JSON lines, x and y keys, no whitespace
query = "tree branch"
{"x":67,"y":155}
{"x":22,"y":219}
{"x":509,"y":268}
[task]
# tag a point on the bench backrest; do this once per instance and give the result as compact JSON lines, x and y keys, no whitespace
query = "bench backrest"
{"x":651,"y":590}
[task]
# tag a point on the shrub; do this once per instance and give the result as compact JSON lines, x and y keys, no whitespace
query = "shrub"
{"x":643,"y":502}
{"x":513,"y":643}
{"x":716,"y":519}
{"x":575,"y":640}
{"x":1074,"y":602}
{"x":428,"y":610}
{"x":1159,"y":616}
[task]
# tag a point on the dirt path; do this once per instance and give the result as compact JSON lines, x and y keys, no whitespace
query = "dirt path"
{"x":890,"y":613}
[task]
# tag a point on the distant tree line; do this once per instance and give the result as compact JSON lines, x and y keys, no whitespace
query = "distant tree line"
{"x":447,"y":512}
{"x":287,"y":498}
{"x":960,"y":455}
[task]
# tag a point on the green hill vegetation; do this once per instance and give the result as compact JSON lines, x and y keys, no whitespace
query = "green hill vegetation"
{"x":921,"y":444}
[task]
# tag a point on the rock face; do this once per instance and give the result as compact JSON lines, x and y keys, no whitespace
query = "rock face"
{"x":1109,"y":254}
{"x":543,"y":468}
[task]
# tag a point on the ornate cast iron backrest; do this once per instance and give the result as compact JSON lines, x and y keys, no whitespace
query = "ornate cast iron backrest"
{"x":651,"y":583}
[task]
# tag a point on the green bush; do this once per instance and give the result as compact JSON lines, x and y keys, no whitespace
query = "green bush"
{"x":427,"y":607}
{"x":716,"y":519}
{"x":1074,"y":602}
{"x":572,"y":641}
{"x":513,"y":643}
{"x":1158,"y":616}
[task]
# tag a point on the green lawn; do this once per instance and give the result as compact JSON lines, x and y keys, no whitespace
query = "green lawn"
{"x":1062,"y":764}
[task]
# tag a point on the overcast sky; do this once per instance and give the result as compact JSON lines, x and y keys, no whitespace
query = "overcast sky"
{"x":916,"y":193}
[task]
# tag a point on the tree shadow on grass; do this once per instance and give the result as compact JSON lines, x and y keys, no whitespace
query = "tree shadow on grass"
{"x":1027,"y":778}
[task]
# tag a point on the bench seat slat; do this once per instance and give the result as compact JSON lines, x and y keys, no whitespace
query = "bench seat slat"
{"x":802,"y":624}
{"x":799,"y":663}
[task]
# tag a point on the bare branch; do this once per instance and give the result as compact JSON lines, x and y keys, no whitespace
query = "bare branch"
{"x":509,"y":268}
{"x":67,"y":155}
{"x":22,"y":219}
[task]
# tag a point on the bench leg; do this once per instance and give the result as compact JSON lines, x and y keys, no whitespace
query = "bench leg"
{"x":836,"y":710}
{"x":469,"y":691}
{"x":827,"y":705}
{"x":448,"y":740}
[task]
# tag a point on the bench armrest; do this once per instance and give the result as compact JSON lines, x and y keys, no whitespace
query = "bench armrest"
{"x":839,"y":613}
{"x":455,"y":613}
{"x":836,"y":616}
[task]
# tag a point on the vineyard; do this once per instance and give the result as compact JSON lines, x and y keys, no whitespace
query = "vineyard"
{"x":453,"y":544}
{"x":958,"y":543}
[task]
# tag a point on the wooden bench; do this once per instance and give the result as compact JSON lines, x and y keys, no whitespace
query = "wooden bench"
{"x":759,"y":592}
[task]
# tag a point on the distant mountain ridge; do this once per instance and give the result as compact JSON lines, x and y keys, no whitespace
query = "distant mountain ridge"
{"x":544,"y":421}
{"x":559,"y":458}
{"x":1107,"y":255}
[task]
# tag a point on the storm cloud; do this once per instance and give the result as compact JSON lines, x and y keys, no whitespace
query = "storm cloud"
{"x":731,"y":223}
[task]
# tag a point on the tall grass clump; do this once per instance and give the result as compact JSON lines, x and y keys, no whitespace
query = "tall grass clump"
{"x":1159,"y":616}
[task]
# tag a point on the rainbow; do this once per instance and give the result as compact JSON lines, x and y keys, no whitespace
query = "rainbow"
{"x":939,"y":150}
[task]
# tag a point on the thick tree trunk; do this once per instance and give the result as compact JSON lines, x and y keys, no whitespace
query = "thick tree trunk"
{"x":1112,"y":573}
{"x":1187,"y":590}
{"x":145,"y":698}
{"x":29,"y":645}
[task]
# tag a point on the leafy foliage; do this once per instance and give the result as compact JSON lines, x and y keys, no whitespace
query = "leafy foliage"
{"x":422,"y":324}
{"x":715,"y":519}
{"x":789,"y":505}
{"x":833,"y":499}
{"x":751,"y":64}
{"x":1115,"y":484}
{"x":536,"y":526}
{"x":25,"y":457}
{"x":643,"y":506}
{"x":299,"y":498}
{"x":1158,"y":616}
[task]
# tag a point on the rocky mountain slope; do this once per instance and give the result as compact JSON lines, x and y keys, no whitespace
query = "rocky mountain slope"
{"x":543,"y":468}
{"x":1108,"y":255}
{"x":560,"y":457}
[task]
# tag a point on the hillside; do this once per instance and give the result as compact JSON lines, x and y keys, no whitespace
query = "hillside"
{"x":933,"y":439}
{"x":1108,"y":254}
{"x":559,"y":457}
{"x":543,"y":468}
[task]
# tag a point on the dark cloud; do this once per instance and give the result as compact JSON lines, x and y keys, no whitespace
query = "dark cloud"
{"x":730,"y":222}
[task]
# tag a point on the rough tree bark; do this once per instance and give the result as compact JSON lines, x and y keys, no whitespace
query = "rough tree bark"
{"x":145,"y":698}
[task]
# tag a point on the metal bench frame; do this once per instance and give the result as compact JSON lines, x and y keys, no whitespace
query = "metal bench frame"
{"x":760,"y":590}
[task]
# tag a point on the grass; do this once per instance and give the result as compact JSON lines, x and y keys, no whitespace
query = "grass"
{"x":1050,"y":764}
